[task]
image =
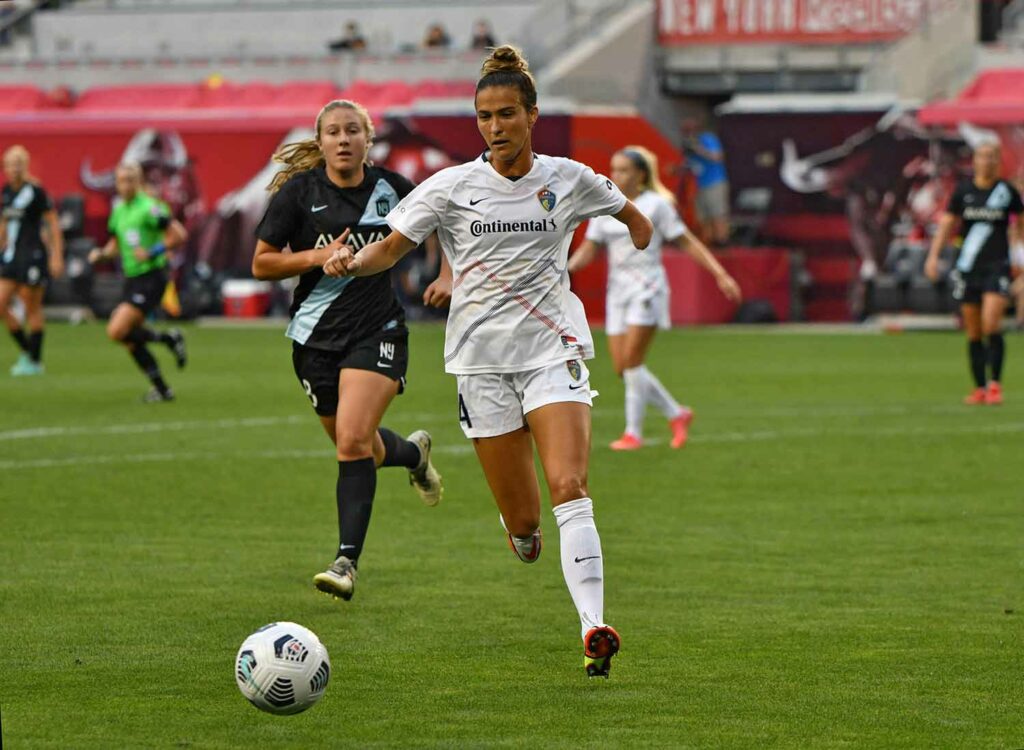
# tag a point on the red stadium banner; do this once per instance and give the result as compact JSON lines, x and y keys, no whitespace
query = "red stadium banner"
{"x":683,"y":22}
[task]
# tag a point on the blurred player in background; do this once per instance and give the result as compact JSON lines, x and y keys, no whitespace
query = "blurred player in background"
{"x":638,"y":291}
{"x":516,"y":336}
{"x":142,"y":232}
{"x":350,"y":346}
{"x":25,"y":264}
{"x":983,"y":207}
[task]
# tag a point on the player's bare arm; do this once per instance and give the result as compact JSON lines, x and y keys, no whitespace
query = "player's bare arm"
{"x":55,"y":241}
{"x":107,"y":252}
{"x":703,"y":257}
{"x":640,"y":228}
{"x":439,"y":293}
{"x":939,"y":241}
{"x":271,"y":263}
{"x":372,"y":259}
{"x":583,"y":256}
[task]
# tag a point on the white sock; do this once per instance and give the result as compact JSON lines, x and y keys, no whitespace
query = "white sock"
{"x":636,"y":399}
{"x":582,"y":564}
{"x":658,"y":395}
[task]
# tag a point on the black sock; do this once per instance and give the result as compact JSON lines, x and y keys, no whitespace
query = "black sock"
{"x":976,"y":350}
{"x":996,"y":352}
{"x":357,"y":483}
{"x":19,"y":336}
{"x":144,"y":359}
{"x":398,"y":451}
{"x":145,"y":335}
{"x":35,"y":346}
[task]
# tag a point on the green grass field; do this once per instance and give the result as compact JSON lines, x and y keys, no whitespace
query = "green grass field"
{"x":834,"y":561}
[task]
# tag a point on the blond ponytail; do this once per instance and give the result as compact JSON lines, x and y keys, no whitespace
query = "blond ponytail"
{"x":647,"y":162}
{"x":297,"y":157}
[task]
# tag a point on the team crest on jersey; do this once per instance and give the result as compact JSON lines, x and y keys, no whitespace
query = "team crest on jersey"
{"x":383,"y":206}
{"x":574,"y":369}
{"x":568,"y":341}
{"x":547,"y":199}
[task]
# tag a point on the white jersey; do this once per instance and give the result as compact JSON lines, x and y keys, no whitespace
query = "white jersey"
{"x":508,"y":243}
{"x":630,"y":271}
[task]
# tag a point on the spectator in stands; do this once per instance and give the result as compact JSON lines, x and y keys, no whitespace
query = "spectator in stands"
{"x":351,"y":39}
{"x":705,"y":158}
{"x":437,"y":38}
{"x":483,"y":37}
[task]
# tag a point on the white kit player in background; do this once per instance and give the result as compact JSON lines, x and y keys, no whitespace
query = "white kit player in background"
{"x":517,"y":336}
{"x":638,"y":291}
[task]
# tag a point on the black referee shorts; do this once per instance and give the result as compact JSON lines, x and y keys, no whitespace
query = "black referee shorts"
{"x":146,"y":290}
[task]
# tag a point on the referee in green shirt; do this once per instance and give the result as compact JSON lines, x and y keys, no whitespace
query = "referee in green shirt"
{"x":141,"y":232}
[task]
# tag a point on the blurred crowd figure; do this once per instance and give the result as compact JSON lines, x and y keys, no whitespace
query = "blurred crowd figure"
{"x":483,"y":37}
{"x":705,"y":160}
{"x":436,"y":37}
{"x":351,"y":39}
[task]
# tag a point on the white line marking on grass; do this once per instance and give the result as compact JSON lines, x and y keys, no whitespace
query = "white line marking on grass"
{"x":132,"y":428}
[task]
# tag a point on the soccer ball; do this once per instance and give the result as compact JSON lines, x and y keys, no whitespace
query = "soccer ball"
{"x":282,"y":668}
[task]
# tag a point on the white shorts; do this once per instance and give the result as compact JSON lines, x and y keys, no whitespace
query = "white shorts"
{"x":496,"y":403}
{"x":623,"y":310}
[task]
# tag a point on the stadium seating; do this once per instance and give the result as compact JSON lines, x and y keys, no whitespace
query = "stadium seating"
{"x":302,"y":96}
{"x":21,"y":99}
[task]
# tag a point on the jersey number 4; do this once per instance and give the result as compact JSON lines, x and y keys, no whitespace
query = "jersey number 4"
{"x":463,"y":414}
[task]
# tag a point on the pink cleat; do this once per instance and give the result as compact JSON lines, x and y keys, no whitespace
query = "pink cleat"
{"x":628,"y":442}
{"x":680,"y":427}
{"x":994,"y":396}
{"x":978,"y":397}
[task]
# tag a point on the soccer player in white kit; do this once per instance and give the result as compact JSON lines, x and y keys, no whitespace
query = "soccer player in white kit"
{"x":516,"y":335}
{"x":638,"y":291}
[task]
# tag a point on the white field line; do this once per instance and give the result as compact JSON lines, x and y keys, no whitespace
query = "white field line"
{"x":133,"y":428}
{"x":465,"y":447}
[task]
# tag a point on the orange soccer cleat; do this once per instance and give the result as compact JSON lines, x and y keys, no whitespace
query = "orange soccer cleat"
{"x":680,"y":427}
{"x":628,"y":442}
{"x":978,"y":396}
{"x":600,"y":644}
{"x":994,"y":396}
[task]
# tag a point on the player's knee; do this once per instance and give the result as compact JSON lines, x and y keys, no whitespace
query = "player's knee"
{"x":115,"y":333}
{"x":568,"y":486}
{"x":353,"y":445}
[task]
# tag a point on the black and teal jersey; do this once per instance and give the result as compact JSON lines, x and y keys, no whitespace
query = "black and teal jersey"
{"x":23,"y":211}
{"x":308,"y":212}
{"x":985,"y":214}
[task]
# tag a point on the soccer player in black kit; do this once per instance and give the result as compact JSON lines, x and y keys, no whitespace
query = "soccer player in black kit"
{"x":25,"y":265}
{"x":349,"y":340}
{"x":981,"y":276}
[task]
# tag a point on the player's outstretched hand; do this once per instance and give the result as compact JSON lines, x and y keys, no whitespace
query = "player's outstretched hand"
{"x":56,"y":267}
{"x":439,"y":293}
{"x":931,"y":268}
{"x":95,"y":255}
{"x":728,"y":286}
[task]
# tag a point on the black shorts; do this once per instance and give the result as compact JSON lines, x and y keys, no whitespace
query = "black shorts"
{"x":968,"y":288}
{"x":145,"y":291}
{"x":30,"y":269}
{"x":318,"y":369}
